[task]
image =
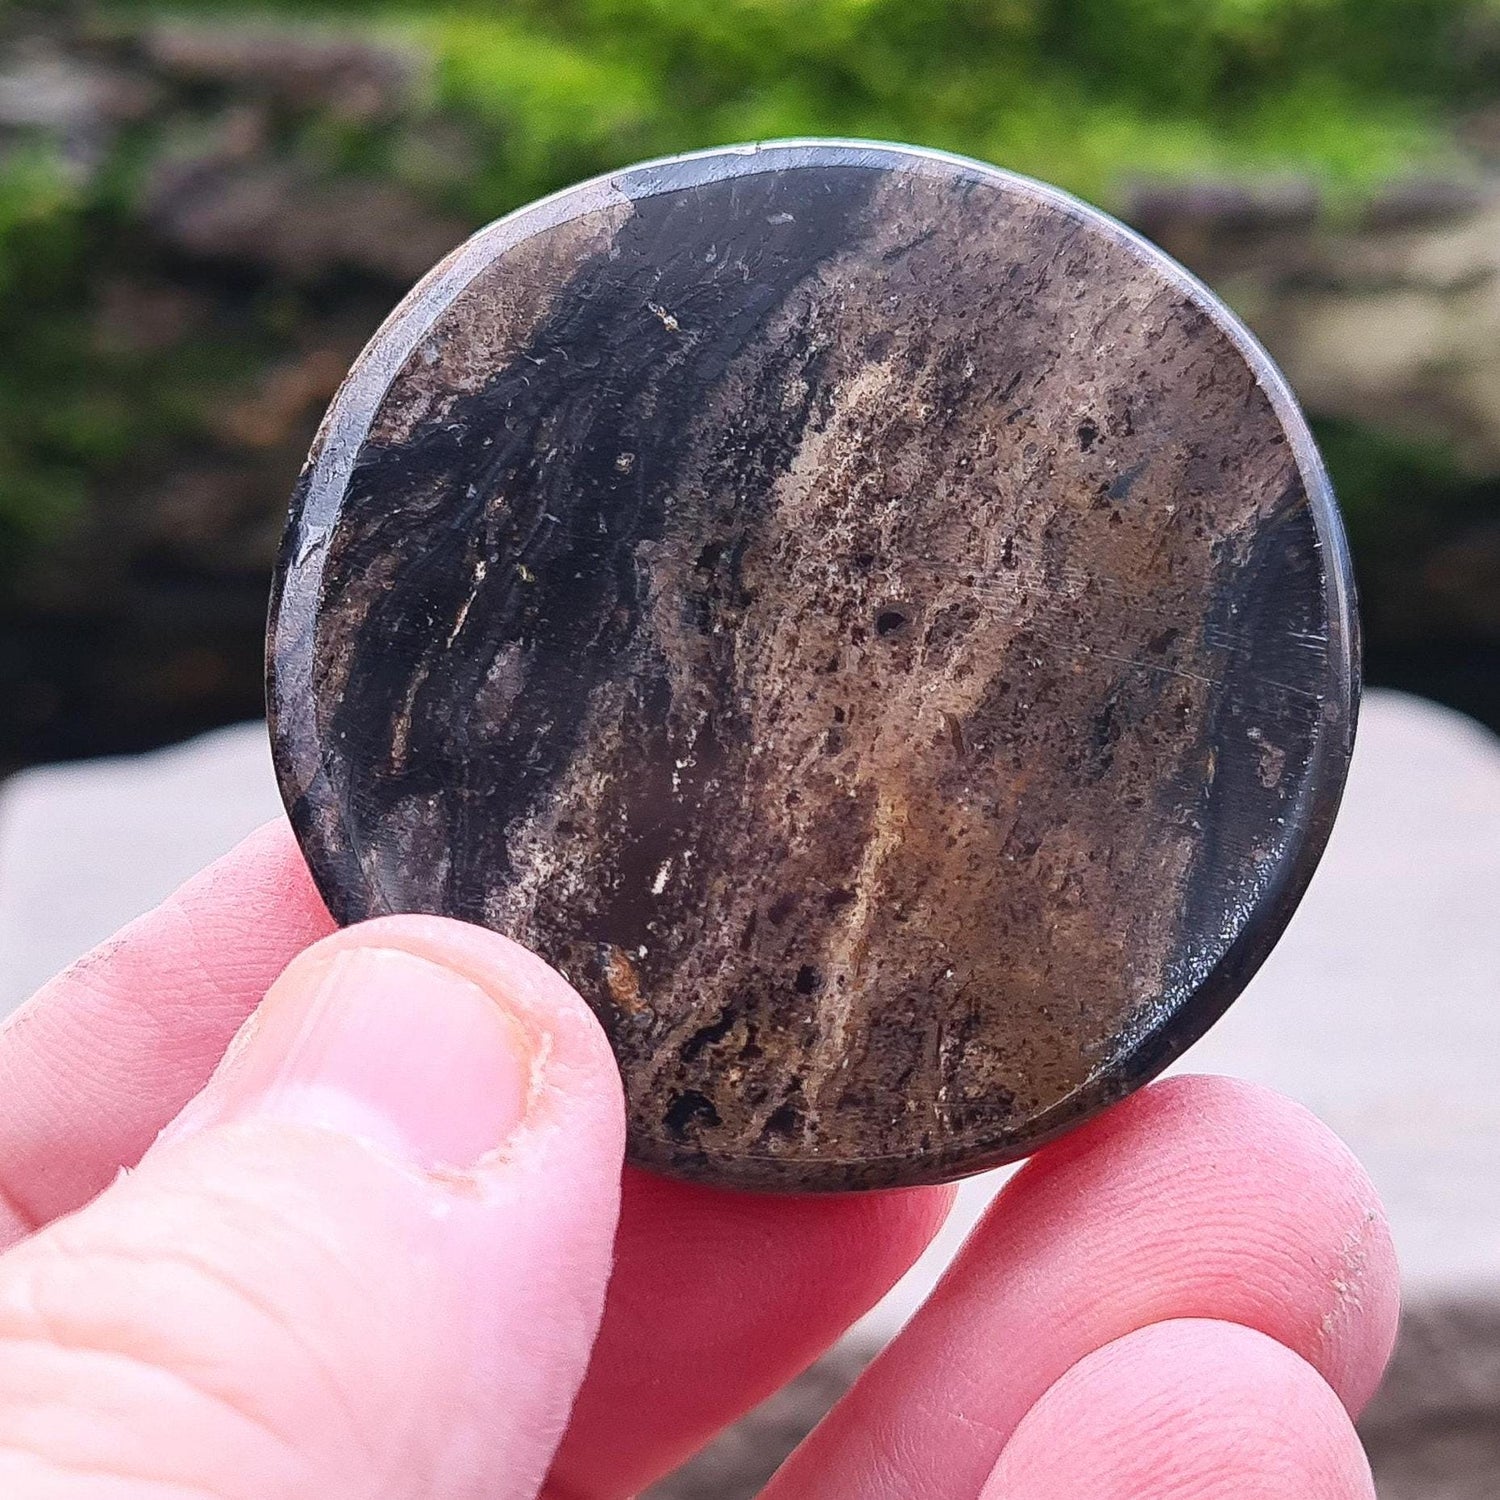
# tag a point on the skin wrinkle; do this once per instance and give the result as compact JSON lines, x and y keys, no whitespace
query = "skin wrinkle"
{"x":1186,"y":1410}
{"x":1349,"y":1277}
{"x":115,"y":1361}
{"x":1254,"y":1257}
{"x":317,"y":1362}
{"x":21,"y":1223}
{"x":202,"y":981}
{"x":48,"y":1332}
{"x":158,"y":1489}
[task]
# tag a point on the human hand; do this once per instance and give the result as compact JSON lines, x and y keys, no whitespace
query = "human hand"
{"x":369,"y":1256}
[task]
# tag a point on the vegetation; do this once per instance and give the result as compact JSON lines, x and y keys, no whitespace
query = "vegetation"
{"x":1084,"y":93}
{"x":515,"y":98}
{"x":1080,"y":92}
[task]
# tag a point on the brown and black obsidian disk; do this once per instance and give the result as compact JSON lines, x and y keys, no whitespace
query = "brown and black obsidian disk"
{"x":880,"y":628}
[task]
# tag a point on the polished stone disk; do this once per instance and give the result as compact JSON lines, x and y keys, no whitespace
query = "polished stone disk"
{"x":878,"y":627}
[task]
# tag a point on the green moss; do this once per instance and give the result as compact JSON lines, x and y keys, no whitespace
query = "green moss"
{"x":43,"y":471}
{"x":40,"y":212}
{"x":1082,"y":92}
{"x":74,"y":411}
{"x":1398,"y":491}
{"x":546,"y":112}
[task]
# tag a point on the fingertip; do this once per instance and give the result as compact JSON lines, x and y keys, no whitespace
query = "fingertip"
{"x":1213,"y":1197}
{"x":270,"y":859}
{"x":105,"y":1053}
{"x":1185,"y":1410}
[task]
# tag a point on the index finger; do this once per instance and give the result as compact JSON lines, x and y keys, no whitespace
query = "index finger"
{"x":102,"y":1056}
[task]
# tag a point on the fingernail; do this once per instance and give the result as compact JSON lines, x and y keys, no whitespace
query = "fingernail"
{"x":381,"y":1044}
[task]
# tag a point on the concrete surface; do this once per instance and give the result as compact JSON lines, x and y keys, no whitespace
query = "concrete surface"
{"x":86,"y":847}
{"x":1380,"y":1010}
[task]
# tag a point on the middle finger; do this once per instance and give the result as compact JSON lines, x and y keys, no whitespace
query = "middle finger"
{"x":719,"y":1298}
{"x":1198,"y":1198}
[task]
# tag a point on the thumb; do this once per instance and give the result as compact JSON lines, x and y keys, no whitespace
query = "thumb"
{"x":367,"y":1261}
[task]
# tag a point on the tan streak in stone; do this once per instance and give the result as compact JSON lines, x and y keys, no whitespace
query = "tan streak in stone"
{"x":540,"y":859}
{"x":848,"y":943}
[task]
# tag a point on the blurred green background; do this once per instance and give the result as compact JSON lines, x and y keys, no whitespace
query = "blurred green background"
{"x":204,"y":211}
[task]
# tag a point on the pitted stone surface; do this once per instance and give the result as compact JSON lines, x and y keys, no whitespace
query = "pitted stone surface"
{"x":878,"y":627}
